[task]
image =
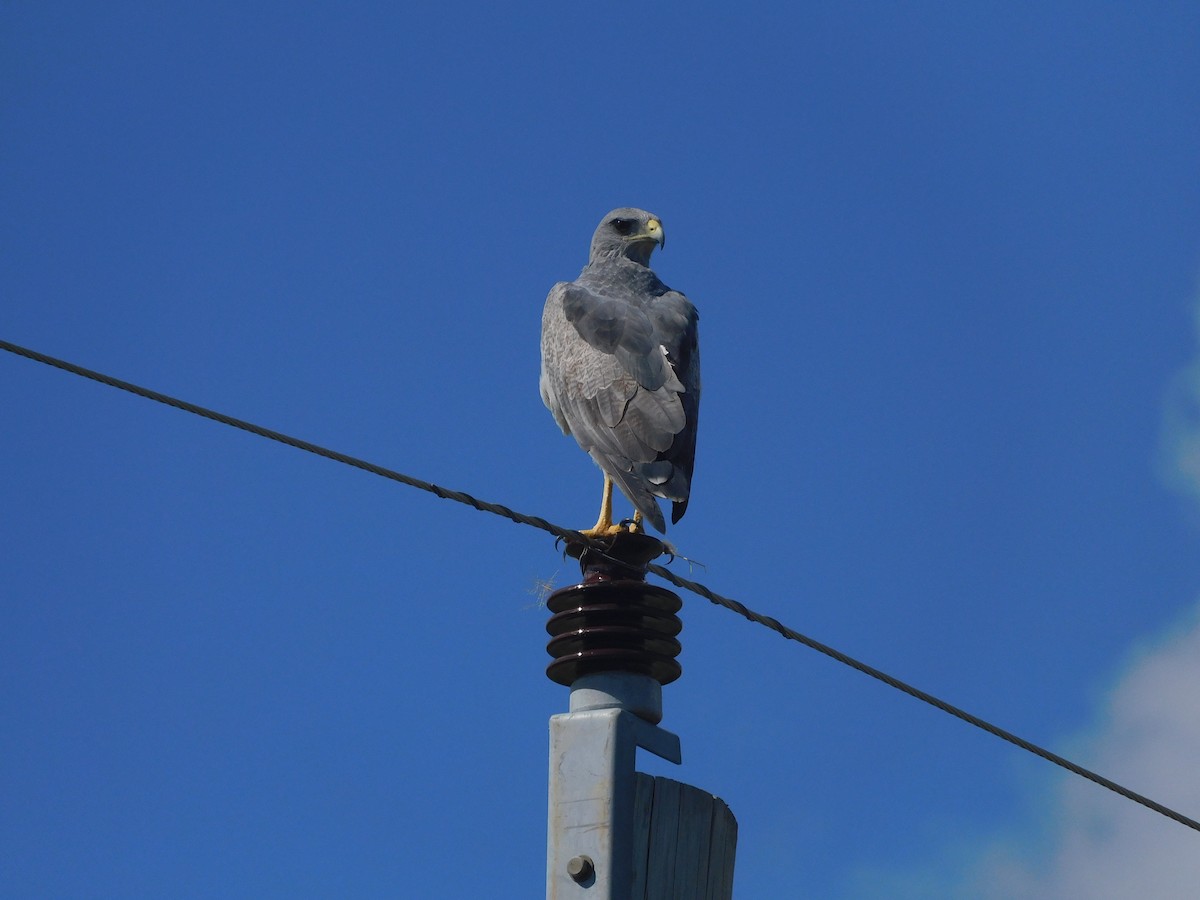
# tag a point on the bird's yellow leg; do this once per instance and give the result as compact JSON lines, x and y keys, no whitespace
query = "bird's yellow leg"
{"x":604,"y":526}
{"x":638,"y":527}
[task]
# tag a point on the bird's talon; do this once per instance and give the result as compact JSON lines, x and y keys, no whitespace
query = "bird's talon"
{"x":610,"y":530}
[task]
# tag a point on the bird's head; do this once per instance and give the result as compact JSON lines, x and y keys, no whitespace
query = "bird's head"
{"x":631,"y":233}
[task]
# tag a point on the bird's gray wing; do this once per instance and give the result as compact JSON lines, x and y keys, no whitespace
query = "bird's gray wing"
{"x":613,"y":368}
{"x":632,"y":331}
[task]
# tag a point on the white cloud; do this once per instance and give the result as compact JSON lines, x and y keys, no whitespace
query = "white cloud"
{"x":1099,"y":845}
{"x":1096,"y":844}
{"x":1181,"y":428}
{"x":1087,"y":843}
{"x":1083,"y":842}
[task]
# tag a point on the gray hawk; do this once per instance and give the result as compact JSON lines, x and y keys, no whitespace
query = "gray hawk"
{"x":621,"y":370}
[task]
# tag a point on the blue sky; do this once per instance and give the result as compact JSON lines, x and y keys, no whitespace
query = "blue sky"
{"x":946,"y":260}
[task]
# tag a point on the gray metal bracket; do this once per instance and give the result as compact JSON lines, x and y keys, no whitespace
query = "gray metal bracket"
{"x":592,"y":788}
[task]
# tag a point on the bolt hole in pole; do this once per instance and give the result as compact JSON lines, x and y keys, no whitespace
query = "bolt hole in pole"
{"x":581,"y":870}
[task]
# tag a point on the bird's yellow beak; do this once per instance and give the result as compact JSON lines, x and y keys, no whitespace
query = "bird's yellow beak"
{"x":654,"y":229}
{"x":652,"y":232}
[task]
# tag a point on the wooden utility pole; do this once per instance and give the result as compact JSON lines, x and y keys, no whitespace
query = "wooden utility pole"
{"x":615,"y":833}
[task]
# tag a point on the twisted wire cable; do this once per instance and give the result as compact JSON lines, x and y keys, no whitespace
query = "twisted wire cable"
{"x":574,"y":536}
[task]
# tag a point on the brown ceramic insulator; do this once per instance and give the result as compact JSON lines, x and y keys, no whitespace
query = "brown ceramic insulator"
{"x":621,"y":625}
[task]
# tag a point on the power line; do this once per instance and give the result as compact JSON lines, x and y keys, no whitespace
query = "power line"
{"x":444,"y":493}
{"x":569,"y":535}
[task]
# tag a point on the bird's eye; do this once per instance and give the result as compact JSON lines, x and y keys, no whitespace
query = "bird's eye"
{"x":622,"y":226}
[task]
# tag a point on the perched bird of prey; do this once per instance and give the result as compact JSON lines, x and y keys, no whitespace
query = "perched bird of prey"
{"x":621,"y":370}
